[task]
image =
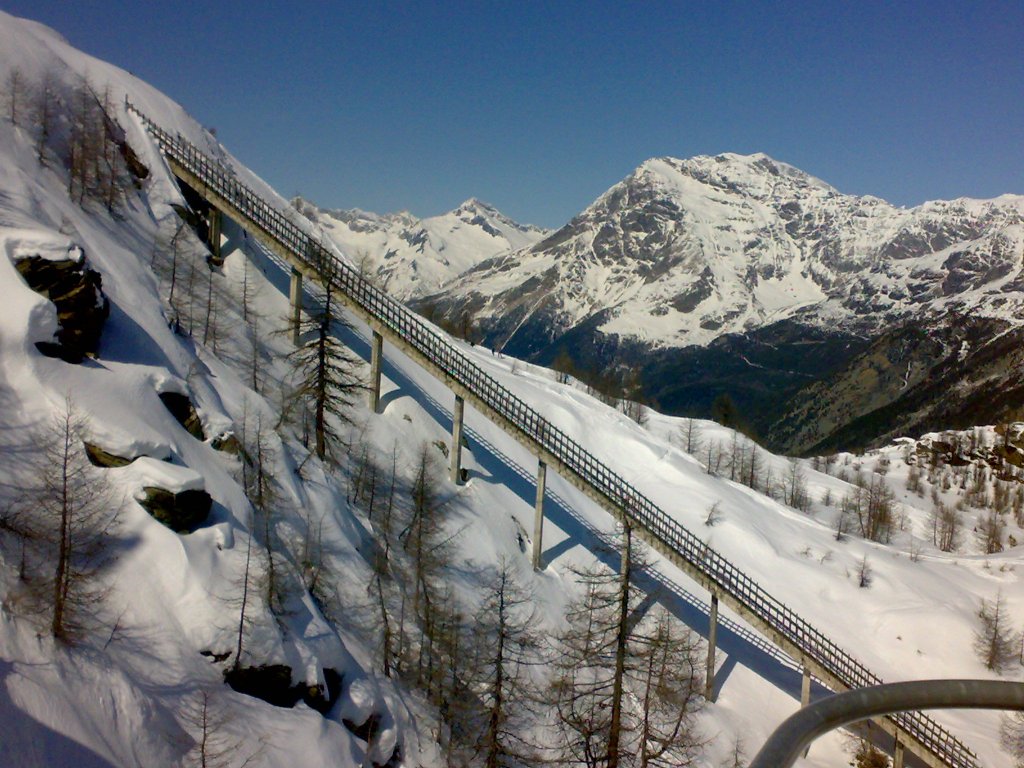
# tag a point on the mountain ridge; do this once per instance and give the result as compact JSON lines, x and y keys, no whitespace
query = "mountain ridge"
{"x":413,"y":256}
{"x":685,"y":258}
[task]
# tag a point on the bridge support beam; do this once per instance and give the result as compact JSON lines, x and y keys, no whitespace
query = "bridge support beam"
{"x":376,"y":357}
{"x":538,"y":514}
{"x":456,"y":454}
{"x":295,"y":299}
{"x":805,"y":688}
{"x":897,"y":754}
{"x":216,"y":224}
{"x":709,"y":681}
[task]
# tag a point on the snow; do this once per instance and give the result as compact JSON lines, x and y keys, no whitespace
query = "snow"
{"x":415,"y":257}
{"x":122,"y":705}
{"x":769,"y":240}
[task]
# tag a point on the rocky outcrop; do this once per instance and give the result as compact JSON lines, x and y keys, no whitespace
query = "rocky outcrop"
{"x":184,"y":412}
{"x":272,"y":683}
{"x":76,"y":292}
{"x":101,"y":458}
{"x":228,"y":442}
{"x":745,"y":276}
{"x":181,"y":511}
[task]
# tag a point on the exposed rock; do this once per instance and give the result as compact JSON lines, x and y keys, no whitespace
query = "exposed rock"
{"x":272,"y":683}
{"x":228,"y":442}
{"x":316,"y":697}
{"x":365,"y":730}
{"x":184,"y":412}
{"x":181,"y":511}
{"x":82,"y":309}
{"x":687,"y":262}
{"x":102,"y":458}
{"x":216,"y":657}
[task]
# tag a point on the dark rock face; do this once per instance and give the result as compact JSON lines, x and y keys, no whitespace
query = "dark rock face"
{"x":272,"y":683}
{"x":320,"y":701}
{"x":101,"y":458}
{"x":955,"y":373}
{"x":82,"y":309}
{"x":181,"y":512}
{"x":689,"y":269}
{"x":365,"y":731}
{"x":184,"y":412}
{"x":228,"y":442}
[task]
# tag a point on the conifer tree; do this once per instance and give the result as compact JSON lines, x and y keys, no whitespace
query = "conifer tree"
{"x":995,"y":641}
{"x":326,"y":370}
{"x":67,"y":522}
{"x":507,"y":648}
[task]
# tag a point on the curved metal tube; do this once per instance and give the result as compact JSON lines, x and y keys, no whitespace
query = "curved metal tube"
{"x":796,"y":733}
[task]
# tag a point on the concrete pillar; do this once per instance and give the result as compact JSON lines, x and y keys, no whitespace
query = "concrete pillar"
{"x":805,"y":699}
{"x":376,"y":356}
{"x":456,"y":454}
{"x":709,"y":684}
{"x":215,"y":236}
{"x":538,"y":514}
{"x":295,"y":297}
{"x":897,"y":754}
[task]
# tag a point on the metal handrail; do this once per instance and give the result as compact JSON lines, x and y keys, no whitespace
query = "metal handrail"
{"x":795,"y":734}
{"x":620,"y":493}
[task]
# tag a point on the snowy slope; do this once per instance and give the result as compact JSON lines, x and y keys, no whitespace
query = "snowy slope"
{"x":122,"y":704}
{"x":413,"y":257}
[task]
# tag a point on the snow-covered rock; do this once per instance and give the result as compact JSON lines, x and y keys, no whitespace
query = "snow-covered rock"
{"x":412,"y":257}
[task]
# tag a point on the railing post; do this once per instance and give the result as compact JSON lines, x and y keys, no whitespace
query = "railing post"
{"x":376,"y":355}
{"x":538,"y":514}
{"x":456,"y":453}
{"x":295,"y":297}
{"x":709,"y":681}
{"x":897,"y":754}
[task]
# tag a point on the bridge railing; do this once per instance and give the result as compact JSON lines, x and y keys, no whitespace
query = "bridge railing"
{"x":630,"y":502}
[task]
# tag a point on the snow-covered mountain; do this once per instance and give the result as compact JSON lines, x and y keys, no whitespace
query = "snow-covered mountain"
{"x":688,"y":263}
{"x":183,"y":394}
{"x":414,"y":257}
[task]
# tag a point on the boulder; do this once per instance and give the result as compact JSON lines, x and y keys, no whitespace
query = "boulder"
{"x":317,"y":698}
{"x":101,"y":458}
{"x":76,"y":292}
{"x":228,"y":442}
{"x":365,"y":730}
{"x":272,"y":683}
{"x":181,"y":511}
{"x":184,"y":412}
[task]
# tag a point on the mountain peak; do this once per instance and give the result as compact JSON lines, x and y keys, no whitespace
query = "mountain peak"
{"x":756,"y":174}
{"x":476,"y":204}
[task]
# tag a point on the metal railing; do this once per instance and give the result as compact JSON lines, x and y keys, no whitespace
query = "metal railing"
{"x":627,"y":499}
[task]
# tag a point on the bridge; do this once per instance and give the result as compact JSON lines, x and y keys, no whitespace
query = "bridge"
{"x":819,"y":657}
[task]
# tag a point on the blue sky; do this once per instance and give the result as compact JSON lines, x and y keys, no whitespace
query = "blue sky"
{"x":540,"y":107}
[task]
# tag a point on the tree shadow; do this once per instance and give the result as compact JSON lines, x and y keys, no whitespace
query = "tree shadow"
{"x":28,"y":743}
{"x":738,"y":643}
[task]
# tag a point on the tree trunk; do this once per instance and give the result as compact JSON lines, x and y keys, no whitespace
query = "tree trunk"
{"x":622,"y":635}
